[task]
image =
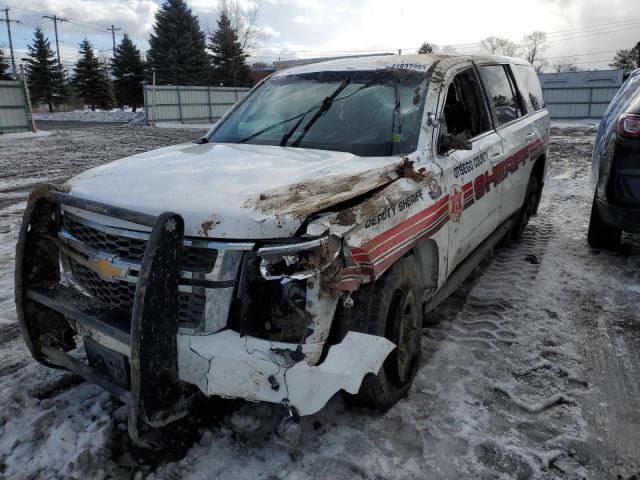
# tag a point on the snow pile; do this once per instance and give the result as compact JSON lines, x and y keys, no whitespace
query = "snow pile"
{"x":578,"y":123}
{"x":89,"y":116}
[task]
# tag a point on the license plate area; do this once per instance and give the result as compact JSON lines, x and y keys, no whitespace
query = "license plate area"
{"x":113,"y":365}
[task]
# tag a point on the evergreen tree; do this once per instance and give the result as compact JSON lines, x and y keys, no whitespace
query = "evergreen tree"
{"x":177,"y":46}
{"x":4,"y":67}
{"x":628,"y":59}
{"x":90,"y":79}
{"x":44,"y":73}
{"x":128,"y":74}
{"x":229,"y":60}
{"x":426,"y":48}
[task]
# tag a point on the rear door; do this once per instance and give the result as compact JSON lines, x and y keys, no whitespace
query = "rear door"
{"x":464,"y":113}
{"x":511,"y":173}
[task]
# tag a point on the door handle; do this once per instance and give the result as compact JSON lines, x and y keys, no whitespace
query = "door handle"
{"x":530,"y":137}
{"x":496,"y":157}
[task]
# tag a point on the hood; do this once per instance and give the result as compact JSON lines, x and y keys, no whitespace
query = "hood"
{"x":232,"y":191}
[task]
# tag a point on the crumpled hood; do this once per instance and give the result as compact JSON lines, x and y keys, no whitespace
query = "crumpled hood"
{"x":232,"y":191}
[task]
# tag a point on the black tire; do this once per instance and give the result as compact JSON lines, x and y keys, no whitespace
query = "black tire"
{"x":600,"y":234}
{"x":391,"y":307}
{"x":527,"y":210}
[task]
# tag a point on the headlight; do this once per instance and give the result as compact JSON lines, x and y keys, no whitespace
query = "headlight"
{"x":299,"y":261}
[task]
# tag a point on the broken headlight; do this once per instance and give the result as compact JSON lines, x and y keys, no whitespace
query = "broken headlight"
{"x":299,"y":261}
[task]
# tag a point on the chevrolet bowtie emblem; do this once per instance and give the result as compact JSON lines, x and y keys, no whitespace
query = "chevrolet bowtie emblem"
{"x":105,"y":268}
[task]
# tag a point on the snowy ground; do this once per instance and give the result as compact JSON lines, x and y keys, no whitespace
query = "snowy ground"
{"x":89,"y":116}
{"x":531,"y":370}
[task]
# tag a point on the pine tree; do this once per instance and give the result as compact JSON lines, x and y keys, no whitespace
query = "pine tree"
{"x":426,"y":48}
{"x":128,"y":72}
{"x":4,"y":67}
{"x":627,"y":59}
{"x":44,"y":74}
{"x":177,"y":46}
{"x":229,"y":61}
{"x":90,"y":79}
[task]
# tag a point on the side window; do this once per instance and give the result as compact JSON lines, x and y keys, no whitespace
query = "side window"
{"x":502,"y":93}
{"x":465,"y":111}
{"x":530,"y":86}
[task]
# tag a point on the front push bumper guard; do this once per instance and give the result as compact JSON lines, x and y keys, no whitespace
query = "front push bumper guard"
{"x":47,"y":308}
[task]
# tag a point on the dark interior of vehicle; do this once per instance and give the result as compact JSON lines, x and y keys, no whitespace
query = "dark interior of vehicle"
{"x":465,"y":110}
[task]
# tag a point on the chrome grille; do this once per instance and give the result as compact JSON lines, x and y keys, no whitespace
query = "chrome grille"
{"x":194,"y":259}
{"x":119,"y":294}
{"x":105,"y":262}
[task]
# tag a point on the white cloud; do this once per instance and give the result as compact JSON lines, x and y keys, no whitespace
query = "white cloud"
{"x":301,"y":19}
{"x":88,"y":17}
{"x":270,"y":31}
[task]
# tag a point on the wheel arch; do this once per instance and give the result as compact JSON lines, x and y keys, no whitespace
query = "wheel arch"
{"x":538,"y":172}
{"x":426,"y":257}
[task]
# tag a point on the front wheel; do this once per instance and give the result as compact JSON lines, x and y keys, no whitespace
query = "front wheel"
{"x":393,"y":309}
{"x":600,"y":234}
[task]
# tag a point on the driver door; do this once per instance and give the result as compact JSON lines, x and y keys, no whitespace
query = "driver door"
{"x":467,"y":165}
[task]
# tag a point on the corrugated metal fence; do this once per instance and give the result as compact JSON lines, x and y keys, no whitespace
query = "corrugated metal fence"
{"x":13,"y":107}
{"x":578,"y":102}
{"x":174,"y":103}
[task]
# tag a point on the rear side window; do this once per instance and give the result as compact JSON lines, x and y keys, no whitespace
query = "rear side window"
{"x":530,"y":86}
{"x":501,"y":93}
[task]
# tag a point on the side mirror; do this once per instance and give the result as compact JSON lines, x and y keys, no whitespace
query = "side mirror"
{"x":449,"y":141}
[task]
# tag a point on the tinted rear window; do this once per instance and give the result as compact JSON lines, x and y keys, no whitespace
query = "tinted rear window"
{"x":530,"y":86}
{"x":501,"y":94}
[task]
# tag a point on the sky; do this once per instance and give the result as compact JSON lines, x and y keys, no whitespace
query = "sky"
{"x":588,"y":31}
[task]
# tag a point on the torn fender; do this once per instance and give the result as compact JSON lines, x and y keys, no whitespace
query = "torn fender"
{"x":228,"y":365}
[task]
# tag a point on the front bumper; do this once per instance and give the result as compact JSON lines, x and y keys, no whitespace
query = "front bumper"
{"x":146,"y":360}
{"x":624,"y":218}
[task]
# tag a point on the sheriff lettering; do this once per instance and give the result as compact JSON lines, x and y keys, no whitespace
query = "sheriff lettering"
{"x":391,"y":211}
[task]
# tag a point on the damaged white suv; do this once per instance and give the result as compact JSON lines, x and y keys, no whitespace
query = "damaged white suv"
{"x":291,"y":252}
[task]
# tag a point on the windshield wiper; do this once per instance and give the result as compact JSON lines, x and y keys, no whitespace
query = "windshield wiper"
{"x":326,"y":105}
{"x":274,"y":125}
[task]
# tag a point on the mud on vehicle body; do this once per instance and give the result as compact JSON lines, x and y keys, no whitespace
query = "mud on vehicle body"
{"x":291,"y":252}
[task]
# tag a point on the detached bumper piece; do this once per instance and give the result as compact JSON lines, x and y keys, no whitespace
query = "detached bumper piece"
{"x":133,"y":358}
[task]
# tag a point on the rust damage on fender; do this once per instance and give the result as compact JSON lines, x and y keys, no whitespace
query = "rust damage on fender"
{"x":406,"y":169}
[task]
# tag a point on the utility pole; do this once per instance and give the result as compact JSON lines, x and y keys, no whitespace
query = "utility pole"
{"x":113,"y":37}
{"x":56,"y":19}
{"x":8,"y":21}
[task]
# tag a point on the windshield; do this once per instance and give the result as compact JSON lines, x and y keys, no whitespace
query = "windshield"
{"x":367,"y":113}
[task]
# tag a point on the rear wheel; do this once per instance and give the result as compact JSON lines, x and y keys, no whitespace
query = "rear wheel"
{"x":600,"y":234}
{"x":527,"y":211}
{"x":392,"y":308}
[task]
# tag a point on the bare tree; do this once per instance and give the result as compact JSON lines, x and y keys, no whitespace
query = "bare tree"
{"x":534,"y":45}
{"x":244,"y":22}
{"x":500,"y":46}
{"x":490,"y":44}
{"x":565,"y":64}
{"x":539,"y":65}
